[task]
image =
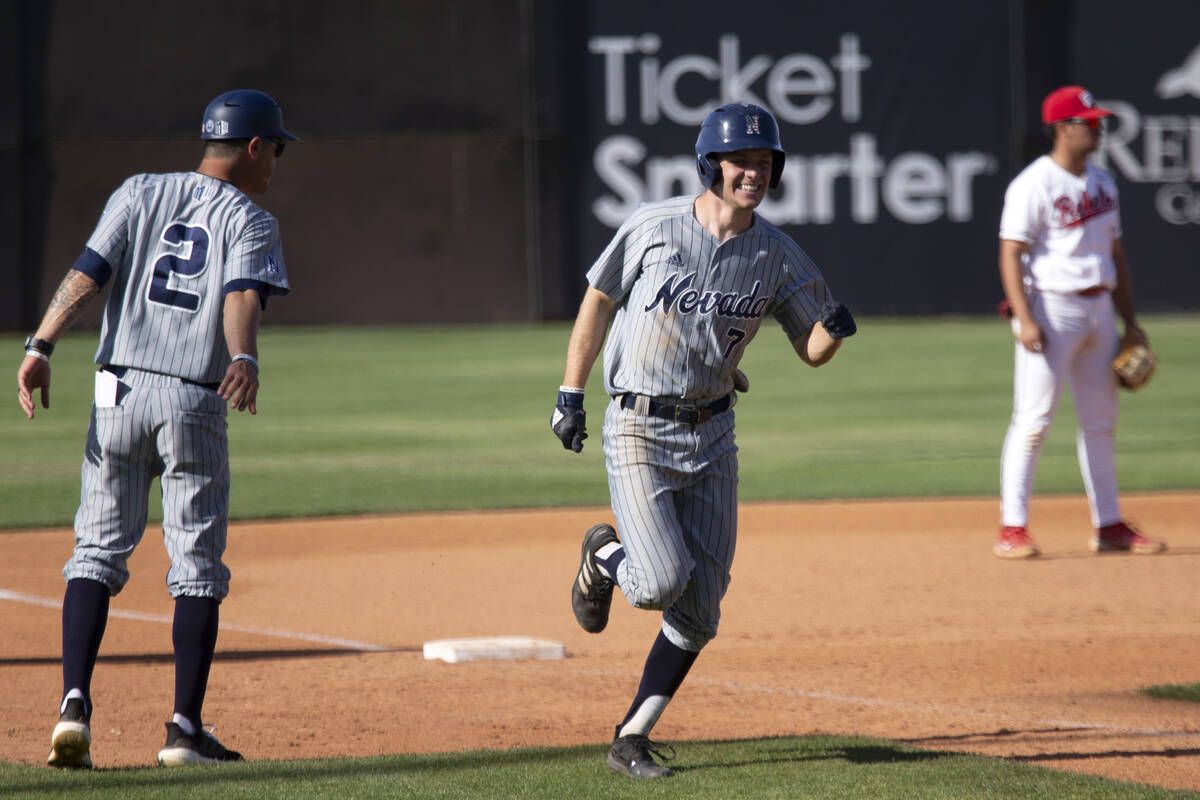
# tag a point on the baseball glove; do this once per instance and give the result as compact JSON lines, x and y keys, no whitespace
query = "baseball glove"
{"x":1135,"y":363}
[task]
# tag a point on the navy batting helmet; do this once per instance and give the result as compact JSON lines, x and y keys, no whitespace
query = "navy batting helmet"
{"x":737,"y":126}
{"x":243,"y":114}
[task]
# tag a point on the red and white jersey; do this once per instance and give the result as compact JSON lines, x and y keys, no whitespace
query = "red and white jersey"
{"x":1069,"y":221}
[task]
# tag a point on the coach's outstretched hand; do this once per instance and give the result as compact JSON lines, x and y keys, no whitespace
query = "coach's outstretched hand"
{"x":837,"y":320}
{"x":569,"y":420}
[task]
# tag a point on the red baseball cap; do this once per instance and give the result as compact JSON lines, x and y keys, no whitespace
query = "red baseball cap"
{"x":1071,"y":101}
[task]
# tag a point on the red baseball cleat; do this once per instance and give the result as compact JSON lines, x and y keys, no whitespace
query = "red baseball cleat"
{"x":1014,"y":542}
{"x":1120,"y":538}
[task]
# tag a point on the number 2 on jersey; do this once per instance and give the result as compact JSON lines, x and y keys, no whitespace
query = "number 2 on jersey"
{"x":189,"y":267}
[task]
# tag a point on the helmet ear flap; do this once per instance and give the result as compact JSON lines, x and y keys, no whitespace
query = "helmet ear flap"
{"x":777,"y":161}
{"x":709,"y":169}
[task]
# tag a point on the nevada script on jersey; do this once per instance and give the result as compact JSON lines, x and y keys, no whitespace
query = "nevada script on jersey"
{"x":677,"y":290}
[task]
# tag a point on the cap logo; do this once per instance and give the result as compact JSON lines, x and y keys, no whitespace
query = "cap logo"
{"x":1085,"y":97}
{"x":222,"y":128}
{"x":752,"y":124}
{"x":208,"y":126}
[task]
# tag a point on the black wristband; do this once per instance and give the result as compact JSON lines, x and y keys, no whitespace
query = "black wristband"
{"x":41,"y":345}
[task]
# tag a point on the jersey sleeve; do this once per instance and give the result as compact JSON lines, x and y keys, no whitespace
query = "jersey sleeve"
{"x":618,"y":267}
{"x":256,"y":259}
{"x":1022,"y":217}
{"x":106,"y":246}
{"x":797,"y":305}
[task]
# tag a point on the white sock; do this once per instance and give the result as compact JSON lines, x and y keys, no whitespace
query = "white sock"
{"x":74,"y":694}
{"x":644,"y":718}
{"x":604,"y":553}
{"x":184,"y":724}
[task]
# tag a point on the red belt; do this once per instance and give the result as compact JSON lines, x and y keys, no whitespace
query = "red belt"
{"x":1093,"y":291}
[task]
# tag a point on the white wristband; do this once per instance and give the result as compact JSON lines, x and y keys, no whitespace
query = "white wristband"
{"x":249,"y":359}
{"x":37,"y":354}
{"x":571,"y":389}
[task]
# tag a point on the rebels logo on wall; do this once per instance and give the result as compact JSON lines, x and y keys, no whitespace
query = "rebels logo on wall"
{"x":679,"y":293}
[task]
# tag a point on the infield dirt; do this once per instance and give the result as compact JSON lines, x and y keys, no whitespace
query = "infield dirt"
{"x":883,"y":618}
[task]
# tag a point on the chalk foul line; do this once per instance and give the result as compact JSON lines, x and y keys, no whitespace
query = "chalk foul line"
{"x":139,"y":616}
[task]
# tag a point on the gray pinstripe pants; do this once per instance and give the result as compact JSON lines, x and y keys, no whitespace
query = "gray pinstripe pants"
{"x":674,"y":494}
{"x":161,"y":426}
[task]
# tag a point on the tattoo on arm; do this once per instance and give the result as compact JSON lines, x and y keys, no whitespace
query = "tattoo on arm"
{"x":69,"y":300}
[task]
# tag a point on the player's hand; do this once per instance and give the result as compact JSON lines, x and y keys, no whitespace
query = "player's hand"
{"x":1030,"y":335}
{"x":34,"y":373}
{"x":837,"y":320}
{"x":240,"y":387}
{"x":1135,"y":335}
{"x":569,"y":421}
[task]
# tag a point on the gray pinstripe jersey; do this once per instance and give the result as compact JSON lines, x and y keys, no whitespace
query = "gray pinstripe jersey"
{"x":687,"y":308}
{"x":688,"y":305}
{"x":176,"y":243}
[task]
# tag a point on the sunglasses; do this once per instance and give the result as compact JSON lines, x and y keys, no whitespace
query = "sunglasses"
{"x":278,"y":144}
{"x":1094,"y":124}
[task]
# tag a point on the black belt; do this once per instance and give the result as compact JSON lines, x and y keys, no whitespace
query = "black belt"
{"x":679,"y":412}
{"x":120,"y":373}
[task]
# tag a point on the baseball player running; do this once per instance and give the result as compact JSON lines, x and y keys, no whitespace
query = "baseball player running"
{"x":684,"y":285}
{"x":192,"y":261}
{"x":1066,"y":277}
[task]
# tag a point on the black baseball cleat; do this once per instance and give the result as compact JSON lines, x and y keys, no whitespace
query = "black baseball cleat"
{"x":72,"y":738}
{"x":203,"y":748}
{"x":591,"y":592}
{"x":631,"y":755}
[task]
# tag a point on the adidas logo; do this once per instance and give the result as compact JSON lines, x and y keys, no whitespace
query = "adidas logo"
{"x":676,"y":260}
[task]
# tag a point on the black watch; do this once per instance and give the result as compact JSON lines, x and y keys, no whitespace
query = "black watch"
{"x":41,"y":345}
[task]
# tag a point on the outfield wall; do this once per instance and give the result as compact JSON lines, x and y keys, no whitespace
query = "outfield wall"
{"x":465,"y":161}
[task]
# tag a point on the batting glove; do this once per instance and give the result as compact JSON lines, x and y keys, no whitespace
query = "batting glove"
{"x":837,"y":321}
{"x":568,"y":420}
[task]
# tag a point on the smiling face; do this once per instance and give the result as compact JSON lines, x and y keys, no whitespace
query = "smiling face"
{"x":745,"y":176}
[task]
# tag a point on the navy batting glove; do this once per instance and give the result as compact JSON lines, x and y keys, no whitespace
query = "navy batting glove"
{"x":569,"y":420}
{"x":837,"y":321}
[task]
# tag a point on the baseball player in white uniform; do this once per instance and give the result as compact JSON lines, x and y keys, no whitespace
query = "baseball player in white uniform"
{"x":1066,"y":279}
{"x":191,"y":261}
{"x":685,"y":284}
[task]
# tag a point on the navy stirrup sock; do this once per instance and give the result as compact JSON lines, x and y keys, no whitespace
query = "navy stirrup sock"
{"x":194,"y":634}
{"x":666,"y":667}
{"x":84,"y":617}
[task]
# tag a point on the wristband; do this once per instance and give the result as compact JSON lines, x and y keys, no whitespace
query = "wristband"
{"x":40,"y":345}
{"x":570,"y":397}
{"x":249,"y":359}
{"x":29,"y":351}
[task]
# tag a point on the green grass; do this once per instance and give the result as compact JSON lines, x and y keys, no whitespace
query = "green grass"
{"x":1175,"y":691}
{"x":364,"y":420}
{"x":835,"y":768}
{"x":359,"y":420}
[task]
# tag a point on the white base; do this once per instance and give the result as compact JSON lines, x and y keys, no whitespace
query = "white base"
{"x":509,"y":648}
